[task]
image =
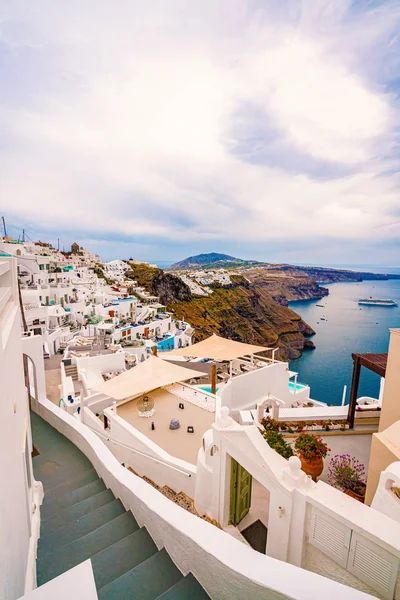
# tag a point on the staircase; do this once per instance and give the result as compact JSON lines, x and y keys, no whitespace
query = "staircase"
{"x":81,"y":519}
{"x":71,"y":371}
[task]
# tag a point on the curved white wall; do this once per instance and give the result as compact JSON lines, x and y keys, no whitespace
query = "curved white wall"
{"x":225,"y":567}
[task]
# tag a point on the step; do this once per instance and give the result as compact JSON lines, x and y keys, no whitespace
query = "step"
{"x":122,"y":556}
{"x":147,"y":581}
{"x":53,"y":473}
{"x":188,"y":587}
{"x":85,"y":547}
{"x":74,"y":484}
{"x":54,"y":506}
{"x":76,"y":510}
{"x":61,"y":537}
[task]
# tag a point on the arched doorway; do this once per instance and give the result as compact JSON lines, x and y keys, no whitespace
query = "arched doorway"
{"x":30,"y":379}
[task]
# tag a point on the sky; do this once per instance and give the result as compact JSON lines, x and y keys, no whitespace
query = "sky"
{"x":266,"y":129}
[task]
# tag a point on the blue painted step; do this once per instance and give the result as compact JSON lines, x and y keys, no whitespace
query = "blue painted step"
{"x":188,"y":587}
{"x":84,"y":547}
{"x":74,"y":530}
{"x":147,"y":581}
{"x":75,"y":511}
{"x":70,"y":485}
{"x":122,"y":556}
{"x":81,"y":519}
{"x":64,"y":500}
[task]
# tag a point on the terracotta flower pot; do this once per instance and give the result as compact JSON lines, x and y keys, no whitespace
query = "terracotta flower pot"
{"x":312,"y":467}
{"x":359,"y":497}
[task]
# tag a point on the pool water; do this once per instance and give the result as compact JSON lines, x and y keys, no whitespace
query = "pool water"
{"x":167,"y":344}
{"x":299,"y":386}
{"x":206,"y":388}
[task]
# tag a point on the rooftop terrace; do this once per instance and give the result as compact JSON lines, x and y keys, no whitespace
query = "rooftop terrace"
{"x":178,"y":442}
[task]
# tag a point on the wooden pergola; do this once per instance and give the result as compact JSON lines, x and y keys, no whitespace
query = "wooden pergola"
{"x":375,"y":363}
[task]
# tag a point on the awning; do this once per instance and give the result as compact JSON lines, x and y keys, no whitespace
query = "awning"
{"x":146,"y":376}
{"x":218,"y":348}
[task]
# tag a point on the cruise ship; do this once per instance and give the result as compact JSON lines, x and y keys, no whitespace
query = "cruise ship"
{"x":376,"y":302}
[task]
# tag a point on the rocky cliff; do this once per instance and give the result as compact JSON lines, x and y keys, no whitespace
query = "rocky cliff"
{"x":248,"y":311}
{"x":164,"y":285}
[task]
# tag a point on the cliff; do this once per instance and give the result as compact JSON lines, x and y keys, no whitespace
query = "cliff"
{"x":166,"y":286}
{"x":285,"y":286}
{"x":246,"y":311}
{"x":328,"y":275}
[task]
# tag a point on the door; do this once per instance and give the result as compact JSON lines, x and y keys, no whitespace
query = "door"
{"x":240,"y":501}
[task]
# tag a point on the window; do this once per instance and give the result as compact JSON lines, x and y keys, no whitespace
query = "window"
{"x":41,"y":267}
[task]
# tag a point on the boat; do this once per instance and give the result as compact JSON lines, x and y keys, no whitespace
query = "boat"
{"x":376,"y":302}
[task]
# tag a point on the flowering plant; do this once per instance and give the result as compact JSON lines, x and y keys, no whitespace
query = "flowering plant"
{"x":347,"y":473}
{"x":309,"y":446}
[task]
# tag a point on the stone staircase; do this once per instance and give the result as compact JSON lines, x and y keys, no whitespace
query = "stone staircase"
{"x":71,"y":371}
{"x":81,"y":519}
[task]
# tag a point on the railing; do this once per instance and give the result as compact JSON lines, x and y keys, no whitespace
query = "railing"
{"x":157,"y":460}
{"x":32,"y":306}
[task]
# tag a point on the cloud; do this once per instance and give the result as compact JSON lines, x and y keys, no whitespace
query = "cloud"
{"x":181,"y":125}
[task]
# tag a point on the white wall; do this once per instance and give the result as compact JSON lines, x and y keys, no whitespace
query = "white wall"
{"x":385,"y":500}
{"x":32,"y":346}
{"x":18,"y":523}
{"x":136,"y":450}
{"x":103,"y":363}
{"x":293,"y":498}
{"x":244,"y":391}
{"x":226,"y":568}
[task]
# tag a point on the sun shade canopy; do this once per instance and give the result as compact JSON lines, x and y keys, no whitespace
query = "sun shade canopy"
{"x":218,"y":348}
{"x":148,"y":375}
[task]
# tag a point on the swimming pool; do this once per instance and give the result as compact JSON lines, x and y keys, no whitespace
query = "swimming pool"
{"x":166,"y":344}
{"x":206,"y":388}
{"x":130,"y":299}
{"x":299,"y":386}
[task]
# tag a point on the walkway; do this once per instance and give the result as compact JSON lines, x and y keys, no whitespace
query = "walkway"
{"x":53,"y":377}
{"x":81,"y":519}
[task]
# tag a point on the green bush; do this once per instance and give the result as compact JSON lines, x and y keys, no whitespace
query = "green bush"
{"x":276,"y":441}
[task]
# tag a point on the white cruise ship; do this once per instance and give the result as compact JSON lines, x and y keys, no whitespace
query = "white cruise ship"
{"x":376,"y":302}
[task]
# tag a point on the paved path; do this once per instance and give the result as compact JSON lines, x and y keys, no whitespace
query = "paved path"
{"x":53,"y":377}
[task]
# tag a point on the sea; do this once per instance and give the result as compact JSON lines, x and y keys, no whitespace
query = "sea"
{"x":343,"y":327}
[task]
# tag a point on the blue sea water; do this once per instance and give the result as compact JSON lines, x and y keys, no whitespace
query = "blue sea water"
{"x":348,"y":329}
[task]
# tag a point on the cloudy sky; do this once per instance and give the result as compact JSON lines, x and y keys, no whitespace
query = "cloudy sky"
{"x":267,"y":129}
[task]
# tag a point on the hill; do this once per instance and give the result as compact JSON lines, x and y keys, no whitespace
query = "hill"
{"x":213,"y":259}
{"x":251,"y":311}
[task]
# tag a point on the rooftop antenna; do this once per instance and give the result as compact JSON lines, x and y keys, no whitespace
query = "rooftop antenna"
{"x":4,"y":227}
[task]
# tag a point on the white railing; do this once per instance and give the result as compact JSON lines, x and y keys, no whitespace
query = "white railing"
{"x":198,"y":397}
{"x":139,"y":453}
{"x":32,"y":305}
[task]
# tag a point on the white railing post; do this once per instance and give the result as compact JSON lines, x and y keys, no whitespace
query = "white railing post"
{"x":344,"y":395}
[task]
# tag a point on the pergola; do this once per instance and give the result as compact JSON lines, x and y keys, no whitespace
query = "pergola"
{"x":146,"y":376}
{"x":373,"y":362}
{"x":219,"y":349}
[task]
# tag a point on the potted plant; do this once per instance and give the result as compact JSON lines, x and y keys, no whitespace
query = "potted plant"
{"x":347,"y":474}
{"x":311,"y":450}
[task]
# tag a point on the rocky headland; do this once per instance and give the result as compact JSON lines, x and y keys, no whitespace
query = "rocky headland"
{"x":252,"y":309}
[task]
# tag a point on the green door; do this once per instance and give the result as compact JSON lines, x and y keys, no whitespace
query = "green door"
{"x":240,"y":492}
